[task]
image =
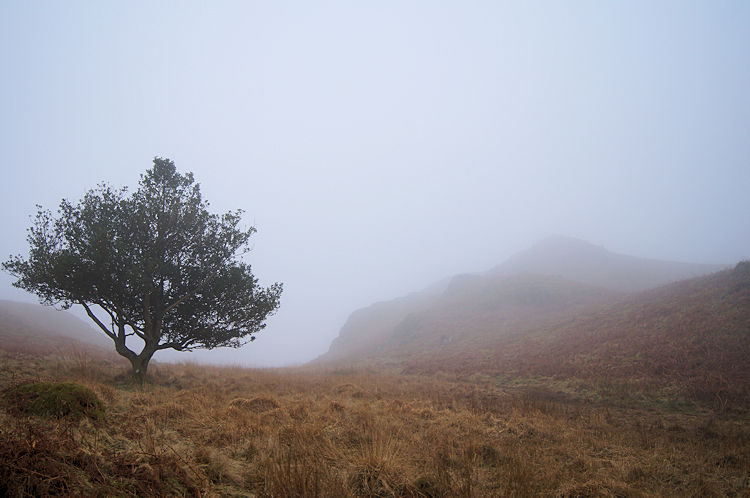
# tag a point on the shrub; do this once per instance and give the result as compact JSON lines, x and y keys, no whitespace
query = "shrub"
{"x":56,"y":399}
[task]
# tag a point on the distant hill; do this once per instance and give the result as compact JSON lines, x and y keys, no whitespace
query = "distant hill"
{"x":36,"y":328}
{"x":557,"y":277}
{"x":581,"y":261}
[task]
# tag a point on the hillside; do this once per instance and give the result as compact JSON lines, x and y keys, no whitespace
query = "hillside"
{"x":557,"y":277}
{"x":691,"y":336}
{"x":363,"y":330}
{"x":472,"y":312}
{"x":32,"y":327}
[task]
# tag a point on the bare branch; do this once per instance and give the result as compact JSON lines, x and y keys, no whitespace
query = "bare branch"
{"x":97,"y":321}
{"x":136,"y":331}
{"x":113,"y":321}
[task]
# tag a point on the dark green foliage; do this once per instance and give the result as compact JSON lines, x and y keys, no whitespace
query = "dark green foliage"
{"x":50,"y":399}
{"x":156,"y":263}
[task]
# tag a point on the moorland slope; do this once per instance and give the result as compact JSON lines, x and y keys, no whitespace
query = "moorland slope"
{"x":691,"y":338}
{"x":557,"y":277}
{"x":688,"y":339}
{"x":32,"y":327}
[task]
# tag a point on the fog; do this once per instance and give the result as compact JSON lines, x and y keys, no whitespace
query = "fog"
{"x":380,"y":146}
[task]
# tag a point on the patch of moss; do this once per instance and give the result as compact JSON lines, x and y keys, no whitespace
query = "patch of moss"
{"x":57,"y":399}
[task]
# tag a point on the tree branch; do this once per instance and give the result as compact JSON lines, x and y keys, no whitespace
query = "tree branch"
{"x":176,"y":345}
{"x":188,"y":295}
{"x":168,"y":345}
{"x":97,"y":321}
{"x":136,"y":330}
{"x":134,"y":326}
{"x":111,"y":315}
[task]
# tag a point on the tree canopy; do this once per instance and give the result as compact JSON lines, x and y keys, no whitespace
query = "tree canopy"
{"x":156,"y":262}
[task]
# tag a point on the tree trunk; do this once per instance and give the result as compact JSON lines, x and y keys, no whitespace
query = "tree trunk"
{"x":140,"y":364}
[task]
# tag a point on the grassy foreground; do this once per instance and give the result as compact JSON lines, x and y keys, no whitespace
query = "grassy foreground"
{"x":203,"y":431}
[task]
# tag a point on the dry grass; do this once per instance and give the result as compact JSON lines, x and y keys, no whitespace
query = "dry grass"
{"x":201,"y":431}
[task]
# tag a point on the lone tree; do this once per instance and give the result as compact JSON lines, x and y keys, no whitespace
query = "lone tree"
{"x":156,"y":264}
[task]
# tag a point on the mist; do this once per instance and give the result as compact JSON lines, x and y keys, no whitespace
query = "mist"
{"x":379,"y":148}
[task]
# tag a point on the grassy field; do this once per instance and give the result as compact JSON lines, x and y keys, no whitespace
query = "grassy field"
{"x":205,"y":431}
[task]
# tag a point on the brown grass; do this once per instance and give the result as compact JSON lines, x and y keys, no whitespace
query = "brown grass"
{"x":202,"y":431}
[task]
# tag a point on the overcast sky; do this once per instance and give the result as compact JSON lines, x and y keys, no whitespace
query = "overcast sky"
{"x":380,"y":146}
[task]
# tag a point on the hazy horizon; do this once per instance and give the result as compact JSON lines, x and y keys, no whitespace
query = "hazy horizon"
{"x":378,"y":148}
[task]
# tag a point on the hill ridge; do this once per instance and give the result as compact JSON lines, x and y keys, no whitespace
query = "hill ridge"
{"x":582,"y":261}
{"x":549,"y":269}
